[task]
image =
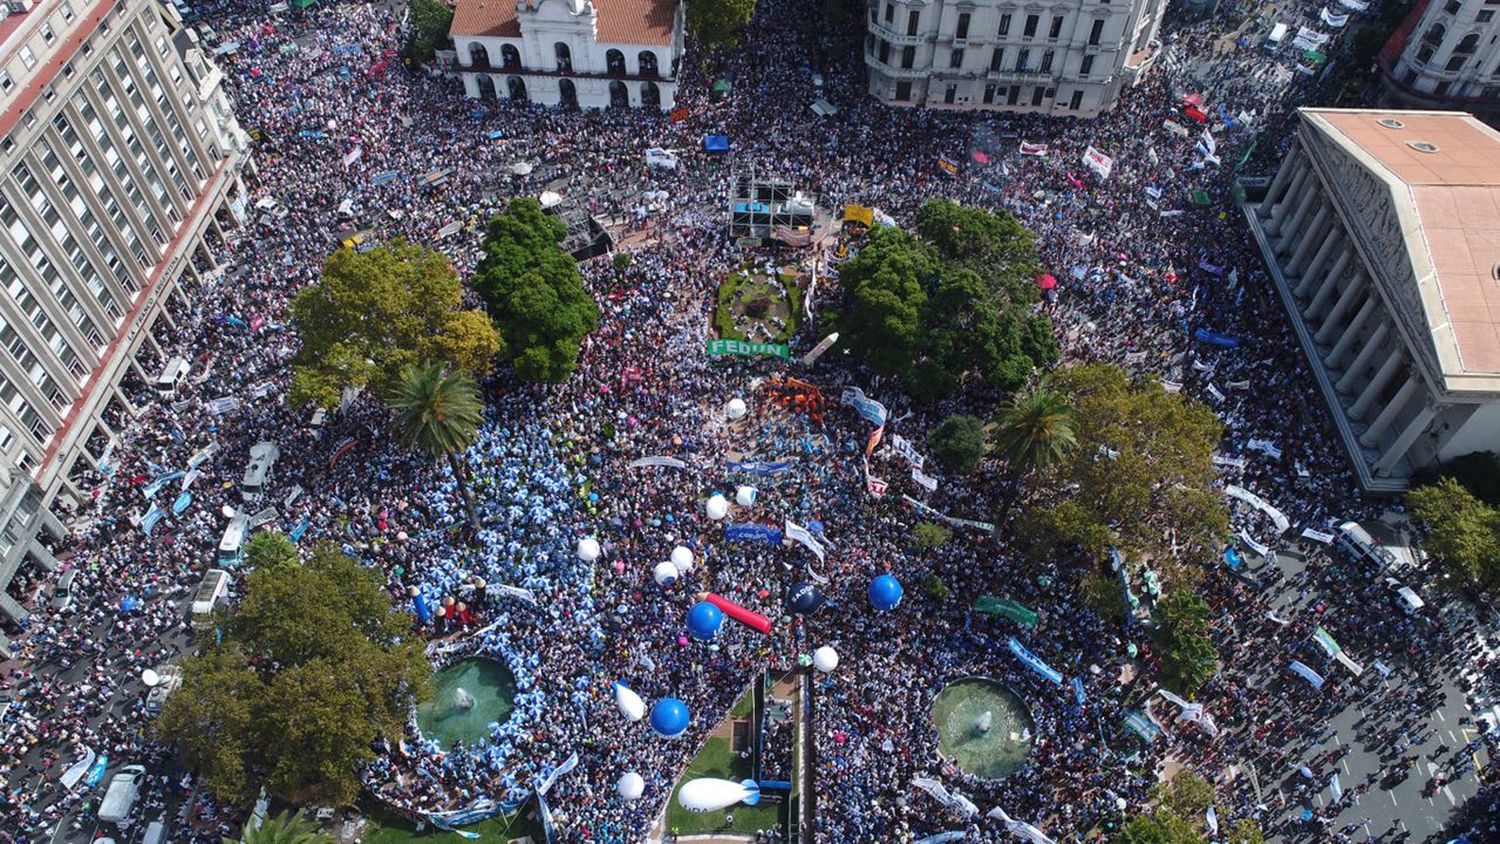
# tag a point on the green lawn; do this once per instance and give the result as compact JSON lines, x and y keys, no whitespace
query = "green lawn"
{"x":388,"y":828}
{"x":716,"y":760}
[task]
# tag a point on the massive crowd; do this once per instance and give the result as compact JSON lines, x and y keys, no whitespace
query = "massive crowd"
{"x":550,"y":467}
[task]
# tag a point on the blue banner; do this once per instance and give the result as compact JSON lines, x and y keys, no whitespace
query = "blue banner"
{"x":1214,"y":338}
{"x":482,"y":809}
{"x":1078,"y":691}
{"x":752,"y":532}
{"x":384,"y":178}
{"x":1033,"y":662}
{"x":758,"y":467}
{"x":300,"y":529}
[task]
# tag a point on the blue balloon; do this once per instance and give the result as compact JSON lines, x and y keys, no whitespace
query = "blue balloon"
{"x":885,"y":592}
{"x":670,"y":718}
{"x":704,"y":620}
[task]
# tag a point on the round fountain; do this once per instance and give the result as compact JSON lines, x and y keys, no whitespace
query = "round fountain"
{"x":467,"y":697}
{"x":983,"y":727}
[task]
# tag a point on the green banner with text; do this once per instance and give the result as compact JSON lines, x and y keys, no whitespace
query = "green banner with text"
{"x":742,"y":347}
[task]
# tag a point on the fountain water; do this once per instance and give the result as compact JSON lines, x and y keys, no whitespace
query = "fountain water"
{"x":462,"y":699}
{"x":982,"y":724}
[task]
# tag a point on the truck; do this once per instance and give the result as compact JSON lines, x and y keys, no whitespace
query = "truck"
{"x":1278,"y":35}
{"x":263,"y":457}
{"x":121,"y":796}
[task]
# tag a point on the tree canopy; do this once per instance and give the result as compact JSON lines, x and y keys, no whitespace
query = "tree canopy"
{"x":534,"y":293}
{"x":374,"y":313}
{"x":950,"y":303}
{"x":269,"y":549}
{"x":285,"y":828}
{"x":313,"y":667}
{"x":717,"y":23}
{"x":1189,"y":658}
{"x":1463,"y":533}
{"x":1142,"y":472}
{"x":438,"y":415}
{"x":957,"y":443}
{"x":1180,"y":817}
{"x":430,"y":21}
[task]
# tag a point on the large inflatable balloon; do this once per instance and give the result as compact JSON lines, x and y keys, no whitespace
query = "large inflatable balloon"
{"x":825,"y":659}
{"x":804,"y":598}
{"x":753,"y":620}
{"x":630,"y":786}
{"x":665,"y":574}
{"x":630,"y":703}
{"x":717,"y":507}
{"x":709,"y":795}
{"x":736,"y":409}
{"x":588,"y":549}
{"x":745,"y":496}
{"x":682,"y":558}
{"x":885,"y":592}
{"x":419,"y":605}
{"x":670,"y":718}
{"x":704,"y":620}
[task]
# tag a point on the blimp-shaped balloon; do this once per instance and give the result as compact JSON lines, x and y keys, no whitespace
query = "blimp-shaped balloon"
{"x":885,"y":592}
{"x":588,"y":549}
{"x":745,"y":496}
{"x":717,"y":507}
{"x":682,"y":558}
{"x":670,"y":718}
{"x":825,"y":659}
{"x":665,"y":574}
{"x":630,"y":703}
{"x":736,"y":408}
{"x":709,"y":795}
{"x":630,"y":786}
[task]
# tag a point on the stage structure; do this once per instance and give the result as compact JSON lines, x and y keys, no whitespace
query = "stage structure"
{"x":586,"y":237}
{"x":762,"y":210}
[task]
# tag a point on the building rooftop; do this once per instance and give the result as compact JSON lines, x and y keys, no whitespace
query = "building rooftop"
{"x":619,"y":21}
{"x":1445,"y":166}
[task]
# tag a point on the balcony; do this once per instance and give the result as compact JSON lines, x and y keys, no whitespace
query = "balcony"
{"x":900,"y":37}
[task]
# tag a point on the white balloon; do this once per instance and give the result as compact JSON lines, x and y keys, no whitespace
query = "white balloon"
{"x":708,"y":794}
{"x":588,"y":549}
{"x":736,"y":409}
{"x":150,"y":678}
{"x":717,"y":507}
{"x":745,"y":496}
{"x":630,"y":786}
{"x":825,"y":659}
{"x":682,"y":558}
{"x":630,"y":703}
{"x":665,"y":574}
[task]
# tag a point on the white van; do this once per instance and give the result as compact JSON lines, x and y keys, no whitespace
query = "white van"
{"x":172,"y":377}
{"x":156,"y":833}
{"x":232,"y":545}
{"x":1278,"y":35}
{"x":263,"y":456}
{"x":121,"y":796}
{"x":62,"y":595}
{"x":1406,"y":598}
{"x":1358,"y":544}
{"x":215,"y":585}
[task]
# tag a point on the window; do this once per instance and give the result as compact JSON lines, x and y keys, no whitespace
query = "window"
{"x":951,"y":94}
{"x":885,"y":52}
{"x":903,"y":91}
{"x":1036,"y":96}
{"x":1077,"y":101}
{"x":956,"y":58}
{"x":890,"y":12}
{"x":989,"y":94}
{"x":997,"y":58}
{"x":1023,"y":58}
{"x":28,"y":58}
{"x":1451,"y":7}
{"x":47,"y":34}
{"x":1095,"y":32}
{"x":1013,"y":95}
{"x":963,"y":25}
{"x":1088,"y":65}
{"x":908,"y":57}
{"x":1442,"y":88}
{"x":1485,"y":15}
{"x":67,"y":12}
{"x":1029,"y":30}
{"x":1056,"y":29}
{"x":1046,"y":62}
{"x":912,"y":20}
{"x":1004,"y":25}
{"x":1456,"y":62}
{"x":6,"y":83}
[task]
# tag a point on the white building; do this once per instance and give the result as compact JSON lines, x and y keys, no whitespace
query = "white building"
{"x":1068,"y":57}
{"x":1380,"y":231}
{"x":1444,"y":55}
{"x":118,"y":156}
{"x":586,"y":53}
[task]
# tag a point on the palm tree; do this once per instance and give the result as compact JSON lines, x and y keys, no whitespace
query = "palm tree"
{"x":438,"y":414}
{"x":1034,"y":431}
{"x":284,"y":828}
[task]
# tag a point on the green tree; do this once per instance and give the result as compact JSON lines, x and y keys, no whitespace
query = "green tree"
{"x":1034,"y":432}
{"x":957,"y":443}
{"x":374,"y":313}
{"x":286,"y":828}
{"x":717,"y":23}
{"x":1142,"y":472}
{"x":1463,"y":533}
{"x":430,"y":21}
{"x":438,"y":415}
{"x":1245,"y":831}
{"x":270,"y":548}
{"x":885,"y":299}
{"x":534,"y":292}
{"x":1189,"y":658}
{"x":936,"y":589}
{"x":315,"y":666}
{"x":1187,"y":794}
{"x":1160,"y":827}
{"x":993,"y":245}
{"x":929,"y":535}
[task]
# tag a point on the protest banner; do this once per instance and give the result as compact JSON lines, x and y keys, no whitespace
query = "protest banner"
{"x":1098,"y":162}
{"x":747,"y":348}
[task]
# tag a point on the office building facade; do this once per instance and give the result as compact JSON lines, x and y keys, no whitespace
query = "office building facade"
{"x":1444,"y":55}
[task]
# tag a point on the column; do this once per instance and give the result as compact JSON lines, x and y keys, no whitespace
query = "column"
{"x":1277,"y":191}
{"x":1346,"y":339}
{"x":1322,"y":230}
{"x":1403,"y":443}
{"x":1388,"y":414}
{"x":471,"y":85}
{"x":1314,"y":271}
{"x":42,"y":556}
{"x":1295,"y":233}
{"x":1366,"y":354}
{"x":1278,"y":214}
{"x":1372,"y":390}
{"x":1335,"y":317}
{"x":1315,"y":309}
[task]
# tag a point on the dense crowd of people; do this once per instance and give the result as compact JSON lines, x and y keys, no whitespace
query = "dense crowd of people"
{"x":551,"y":466}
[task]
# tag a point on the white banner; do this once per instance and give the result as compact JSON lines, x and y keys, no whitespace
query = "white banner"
{"x":924,"y":480}
{"x":904,"y":448}
{"x":671,"y":462}
{"x":546,"y":785}
{"x":952,"y":520}
{"x":951,"y":800}
{"x":1208,"y":141}
{"x":1176,"y":128}
{"x":1302,"y":670}
{"x":1098,"y":162}
{"x":1311,"y":36}
{"x":1356,"y":5}
{"x":802,"y":535}
{"x":354,"y":156}
{"x":518,"y":593}
{"x":1281,"y":521}
{"x":1336,"y":21}
{"x":1258,"y":547}
{"x":1033,"y":149}
{"x":219,"y":407}
{"x":1318,"y":536}
{"x":1231,"y":462}
{"x":1020,"y":829}
{"x":1266,"y":447}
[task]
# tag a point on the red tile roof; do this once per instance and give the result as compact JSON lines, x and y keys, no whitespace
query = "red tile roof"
{"x":619,"y":21}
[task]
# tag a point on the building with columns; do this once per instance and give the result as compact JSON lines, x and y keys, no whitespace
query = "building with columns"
{"x":579,"y":53}
{"x":1443,"y":56}
{"x":1071,"y":57}
{"x":119,"y":154}
{"x":1381,"y":232}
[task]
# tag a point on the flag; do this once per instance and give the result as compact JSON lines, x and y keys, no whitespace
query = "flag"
{"x":466,"y":834}
{"x":876,"y":486}
{"x":1211,"y":818}
{"x":1207,"y":139}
